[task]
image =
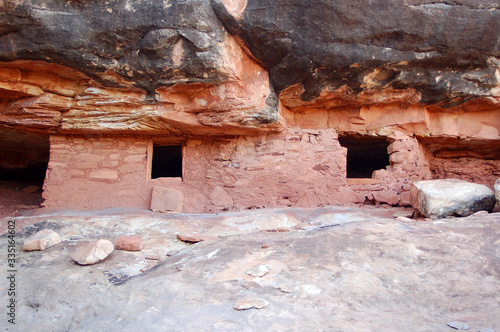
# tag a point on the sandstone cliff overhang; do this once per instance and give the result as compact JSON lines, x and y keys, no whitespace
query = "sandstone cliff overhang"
{"x":202,"y":67}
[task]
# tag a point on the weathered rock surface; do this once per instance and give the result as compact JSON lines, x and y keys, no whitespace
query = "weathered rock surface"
{"x":117,"y":67}
{"x":336,"y":53}
{"x":93,"y":252}
{"x":370,"y":273}
{"x":189,"y":67}
{"x":41,"y":240}
{"x":130,"y":243}
{"x":232,"y":67}
{"x":442,"y":198}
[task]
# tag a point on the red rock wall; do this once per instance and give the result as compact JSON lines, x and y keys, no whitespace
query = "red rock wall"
{"x":468,"y":169}
{"x":299,"y":167}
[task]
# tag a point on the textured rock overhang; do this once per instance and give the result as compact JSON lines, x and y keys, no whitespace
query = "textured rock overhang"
{"x":447,"y":52}
{"x":142,"y":65}
{"x":154,"y":67}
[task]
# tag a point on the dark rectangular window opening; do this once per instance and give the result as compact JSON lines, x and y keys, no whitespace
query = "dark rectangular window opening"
{"x":365,"y":154}
{"x":167,"y":162}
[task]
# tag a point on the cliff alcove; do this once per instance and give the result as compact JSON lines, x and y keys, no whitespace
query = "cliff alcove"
{"x":257,"y":93}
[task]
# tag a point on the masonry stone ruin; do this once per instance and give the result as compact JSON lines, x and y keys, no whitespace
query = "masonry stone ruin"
{"x":201,"y":107}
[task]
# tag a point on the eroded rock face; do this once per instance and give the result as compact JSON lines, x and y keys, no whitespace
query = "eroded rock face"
{"x":132,"y":63}
{"x":115,"y":67}
{"x":338,"y":53}
{"x":148,"y":44}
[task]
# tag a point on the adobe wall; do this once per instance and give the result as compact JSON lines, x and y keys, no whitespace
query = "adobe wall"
{"x":296,"y":168}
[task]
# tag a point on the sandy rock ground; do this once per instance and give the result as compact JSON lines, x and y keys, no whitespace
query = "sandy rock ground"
{"x":327,"y":269}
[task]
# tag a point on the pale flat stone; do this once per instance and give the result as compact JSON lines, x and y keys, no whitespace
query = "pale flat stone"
{"x":458,"y":325}
{"x":130,"y":243}
{"x":193,"y":238}
{"x":166,"y":200}
{"x":41,"y":240}
{"x":406,"y":214}
{"x":442,"y":198}
{"x":250,"y":303}
{"x":258,"y":270}
{"x":93,"y":252}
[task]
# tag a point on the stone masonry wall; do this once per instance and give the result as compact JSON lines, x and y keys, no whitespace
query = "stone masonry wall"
{"x":296,"y":168}
{"x":97,"y":172}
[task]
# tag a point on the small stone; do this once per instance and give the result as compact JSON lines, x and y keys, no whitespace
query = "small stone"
{"x":405,"y":214}
{"x":130,"y":243}
{"x":258,"y":270}
{"x":93,"y":252}
{"x":193,"y":238}
{"x":458,"y":325}
{"x":41,"y":240}
{"x":404,"y":219}
{"x":171,"y":253}
{"x":286,"y":288}
{"x":251,"y":303}
{"x":265,"y":246}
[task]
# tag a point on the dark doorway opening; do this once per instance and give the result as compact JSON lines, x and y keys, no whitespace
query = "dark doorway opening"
{"x":365,"y":154}
{"x":23,"y":164}
{"x":167,"y":161}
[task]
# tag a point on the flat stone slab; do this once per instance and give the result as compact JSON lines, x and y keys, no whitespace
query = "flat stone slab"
{"x":166,"y":200}
{"x":450,"y":197}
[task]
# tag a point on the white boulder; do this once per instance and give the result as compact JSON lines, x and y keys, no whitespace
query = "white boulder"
{"x":450,"y":197}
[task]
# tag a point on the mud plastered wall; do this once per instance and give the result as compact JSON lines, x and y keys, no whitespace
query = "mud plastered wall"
{"x":97,"y":172}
